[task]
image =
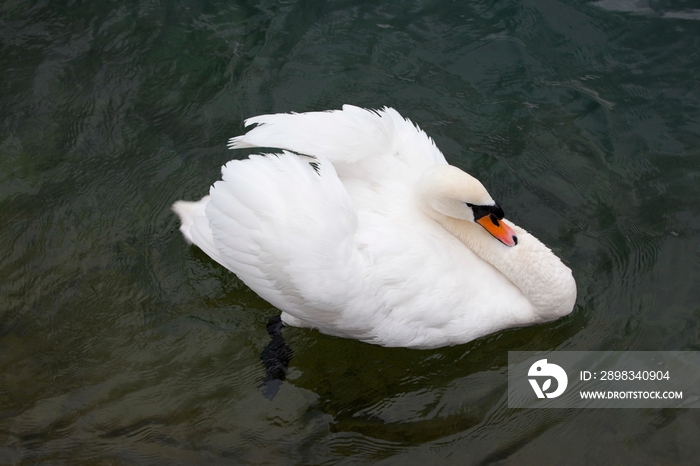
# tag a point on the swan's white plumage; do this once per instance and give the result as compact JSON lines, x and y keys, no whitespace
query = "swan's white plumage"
{"x":339,"y":241}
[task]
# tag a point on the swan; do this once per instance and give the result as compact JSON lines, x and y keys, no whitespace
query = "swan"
{"x":359,"y":228}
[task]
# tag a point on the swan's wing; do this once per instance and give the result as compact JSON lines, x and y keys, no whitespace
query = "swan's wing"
{"x":344,"y":136}
{"x":284,"y":224}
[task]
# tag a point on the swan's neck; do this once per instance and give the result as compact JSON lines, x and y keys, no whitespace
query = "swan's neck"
{"x":530,"y":265}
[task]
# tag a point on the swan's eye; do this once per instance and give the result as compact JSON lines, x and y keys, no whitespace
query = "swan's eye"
{"x":494,"y":212}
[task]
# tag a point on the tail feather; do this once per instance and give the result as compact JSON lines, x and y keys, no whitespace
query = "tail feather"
{"x":195,"y":226}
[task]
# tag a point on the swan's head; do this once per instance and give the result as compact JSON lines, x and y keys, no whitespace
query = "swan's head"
{"x":450,"y":191}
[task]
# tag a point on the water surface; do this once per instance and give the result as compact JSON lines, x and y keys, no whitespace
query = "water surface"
{"x":119,"y":344}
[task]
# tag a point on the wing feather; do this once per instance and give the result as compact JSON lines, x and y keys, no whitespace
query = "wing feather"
{"x":286,"y":229}
{"x":343,"y":136}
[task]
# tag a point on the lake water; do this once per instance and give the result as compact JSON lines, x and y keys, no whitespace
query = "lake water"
{"x":120,"y":344}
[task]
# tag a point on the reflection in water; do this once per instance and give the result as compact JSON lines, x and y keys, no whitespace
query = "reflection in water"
{"x":275,"y":357}
{"x":118,"y":343}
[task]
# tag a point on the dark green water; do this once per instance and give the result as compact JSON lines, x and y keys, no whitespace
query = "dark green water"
{"x":119,"y":344}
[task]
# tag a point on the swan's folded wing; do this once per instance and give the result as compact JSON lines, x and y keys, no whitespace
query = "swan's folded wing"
{"x":343,"y":136}
{"x":285,"y":224}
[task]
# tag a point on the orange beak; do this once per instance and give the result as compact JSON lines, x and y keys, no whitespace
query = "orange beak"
{"x":498,"y":229}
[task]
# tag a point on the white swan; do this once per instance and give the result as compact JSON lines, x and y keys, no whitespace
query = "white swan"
{"x":371,"y":235}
